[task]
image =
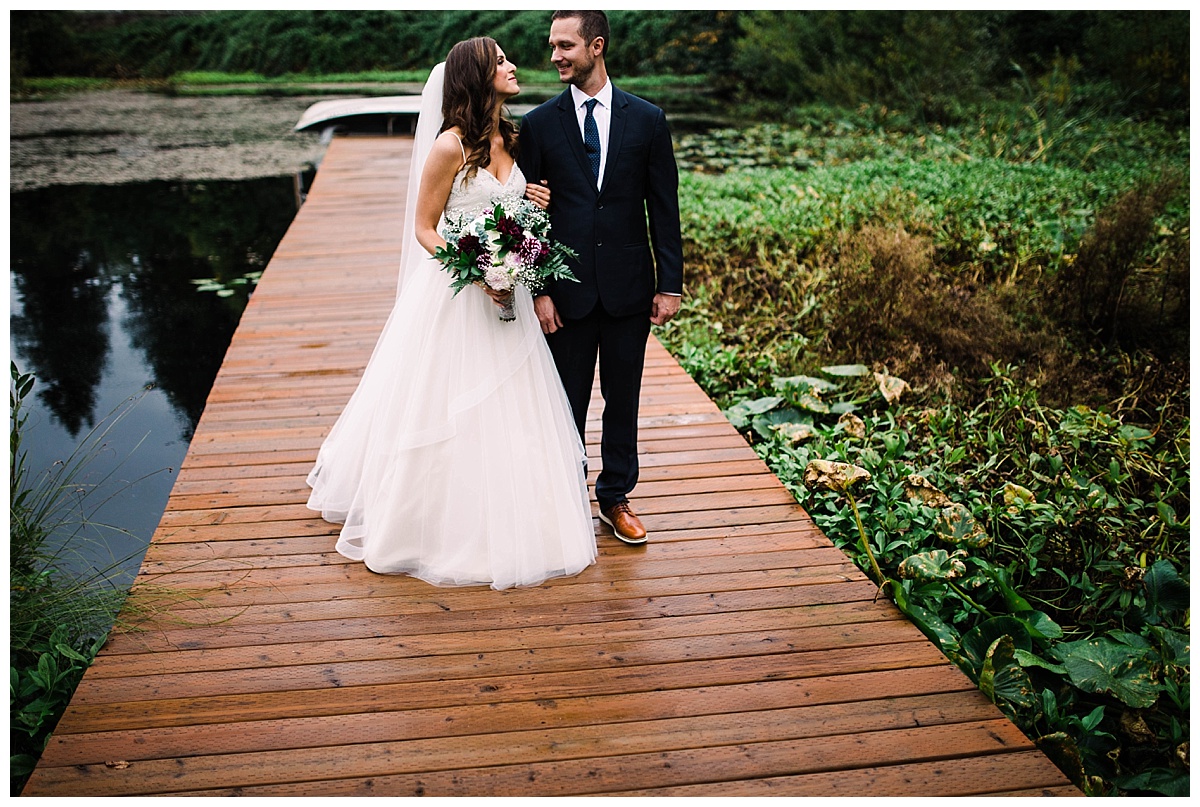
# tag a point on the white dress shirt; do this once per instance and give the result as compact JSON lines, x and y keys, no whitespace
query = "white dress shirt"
{"x":603,"y":116}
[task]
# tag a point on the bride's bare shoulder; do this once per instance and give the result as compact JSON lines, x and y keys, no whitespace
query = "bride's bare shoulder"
{"x":447,"y":149}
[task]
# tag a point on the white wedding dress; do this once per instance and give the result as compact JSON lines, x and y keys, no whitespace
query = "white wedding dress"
{"x":457,"y":459}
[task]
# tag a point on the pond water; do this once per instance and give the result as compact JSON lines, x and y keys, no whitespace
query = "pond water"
{"x":107,"y":314}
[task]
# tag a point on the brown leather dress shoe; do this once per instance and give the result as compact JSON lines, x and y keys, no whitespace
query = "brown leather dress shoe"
{"x":625,"y":524}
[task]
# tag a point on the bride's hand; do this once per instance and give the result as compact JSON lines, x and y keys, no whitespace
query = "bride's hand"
{"x":539,"y":194}
{"x":498,"y":296}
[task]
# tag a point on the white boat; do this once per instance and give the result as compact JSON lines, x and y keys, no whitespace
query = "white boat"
{"x":393,"y":114}
{"x":389,"y":115}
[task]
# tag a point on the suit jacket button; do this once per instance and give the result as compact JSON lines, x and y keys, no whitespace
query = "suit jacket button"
{"x":599,"y":207}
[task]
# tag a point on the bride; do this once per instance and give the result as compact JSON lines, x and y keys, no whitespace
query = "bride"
{"x":457,"y":459}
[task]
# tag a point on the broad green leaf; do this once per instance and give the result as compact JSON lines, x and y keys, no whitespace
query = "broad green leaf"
{"x":1176,"y":647}
{"x":975,"y":642}
{"x":741,"y":413}
{"x":804,"y":382}
{"x":1002,"y":581}
{"x":758,"y":406}
{"x":765,"y":424}
{"x":935,"y":565}
{"x":929,"y":623}
{"x":1064,"y":752}
{"x":1166,"y":591}
{"x":1167,"y":781}
{"x":1103,"y":666}
{"x":810,"y":402}
{"x":1003,"y":679}
{"x":1039,"y":625}
{"x":847,"y":370}
{"x":795,"y":432}
{"x":1027,"y":659}
{"x":957,"y":526}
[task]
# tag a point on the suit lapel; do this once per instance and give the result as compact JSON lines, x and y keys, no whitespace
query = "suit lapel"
{"x":616,"y":133}
{"x":570,"y":123}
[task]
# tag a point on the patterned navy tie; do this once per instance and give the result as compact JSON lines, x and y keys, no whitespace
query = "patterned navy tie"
{"x":591,"y":137}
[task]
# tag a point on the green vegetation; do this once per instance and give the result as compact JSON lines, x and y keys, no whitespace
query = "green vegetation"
{"x":957,"y":260}
{"x":57,"y":619}
{"x":985,"y":325}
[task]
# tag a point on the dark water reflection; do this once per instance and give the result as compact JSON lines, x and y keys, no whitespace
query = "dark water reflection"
{"x":103,"y":304}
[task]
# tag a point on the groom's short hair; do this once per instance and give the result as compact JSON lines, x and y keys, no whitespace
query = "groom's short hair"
{"x":592,"y":24}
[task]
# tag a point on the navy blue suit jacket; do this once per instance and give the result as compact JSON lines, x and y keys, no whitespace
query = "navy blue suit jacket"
{"x":626,"y":233}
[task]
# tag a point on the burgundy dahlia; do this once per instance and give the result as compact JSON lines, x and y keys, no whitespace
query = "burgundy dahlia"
{"x":508,"y":226}
{"x":470,"y":244}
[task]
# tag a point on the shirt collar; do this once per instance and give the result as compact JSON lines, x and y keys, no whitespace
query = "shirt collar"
{"x":605,"y":95}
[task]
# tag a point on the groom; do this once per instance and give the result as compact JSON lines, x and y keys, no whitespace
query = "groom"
{"x":607,"y":158}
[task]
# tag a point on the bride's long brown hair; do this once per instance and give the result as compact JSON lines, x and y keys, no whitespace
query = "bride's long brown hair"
{"x":469,"y":100}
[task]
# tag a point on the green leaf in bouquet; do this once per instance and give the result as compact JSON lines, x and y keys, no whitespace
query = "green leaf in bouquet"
{"x":1103,"y":666}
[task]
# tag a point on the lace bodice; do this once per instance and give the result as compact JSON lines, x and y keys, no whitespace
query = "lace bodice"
{"x":483,"y":189}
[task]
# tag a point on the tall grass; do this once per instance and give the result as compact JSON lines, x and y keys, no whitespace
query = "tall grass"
{"x":60,"y":608}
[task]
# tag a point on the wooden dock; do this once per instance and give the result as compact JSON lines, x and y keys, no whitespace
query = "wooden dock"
{"x":738,"y":653}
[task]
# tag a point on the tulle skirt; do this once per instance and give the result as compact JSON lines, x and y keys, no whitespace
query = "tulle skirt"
{"x":457,"y":459}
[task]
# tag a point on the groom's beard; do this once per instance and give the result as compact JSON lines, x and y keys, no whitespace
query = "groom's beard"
{"x":580,"y":73}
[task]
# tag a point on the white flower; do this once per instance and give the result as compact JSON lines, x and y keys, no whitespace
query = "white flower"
{"x":499,"y":279}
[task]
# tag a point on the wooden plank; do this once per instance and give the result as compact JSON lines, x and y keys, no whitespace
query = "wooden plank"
{"x":738,"y":653}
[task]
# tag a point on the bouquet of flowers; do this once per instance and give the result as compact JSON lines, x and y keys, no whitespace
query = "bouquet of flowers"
{"x":502,"y":247}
